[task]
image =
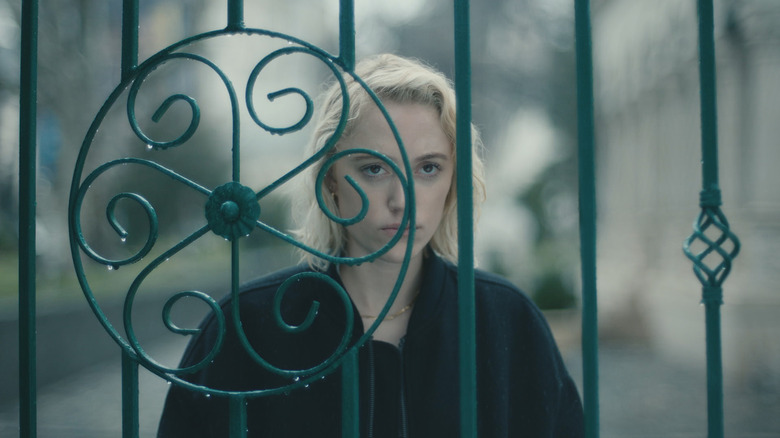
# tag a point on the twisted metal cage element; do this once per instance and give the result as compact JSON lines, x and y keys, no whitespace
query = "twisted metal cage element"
{"x":711,"y":229}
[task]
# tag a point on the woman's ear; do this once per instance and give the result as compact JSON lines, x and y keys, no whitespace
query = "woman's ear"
{"x":330,"y":182}
{"x":331,"y":186}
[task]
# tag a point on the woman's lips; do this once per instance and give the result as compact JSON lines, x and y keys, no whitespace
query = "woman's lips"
{"x":393,"y":229}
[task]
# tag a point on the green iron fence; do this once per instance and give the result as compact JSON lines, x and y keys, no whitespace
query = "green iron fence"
{"x":232,"y":200}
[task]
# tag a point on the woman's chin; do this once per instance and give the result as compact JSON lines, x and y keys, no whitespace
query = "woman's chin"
{"x":397,"y":254}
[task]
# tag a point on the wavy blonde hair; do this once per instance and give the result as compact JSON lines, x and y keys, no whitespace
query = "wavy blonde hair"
{"x":393,"y":79}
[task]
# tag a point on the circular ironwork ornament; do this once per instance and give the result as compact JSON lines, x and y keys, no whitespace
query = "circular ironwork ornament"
{"x":231,"y":210}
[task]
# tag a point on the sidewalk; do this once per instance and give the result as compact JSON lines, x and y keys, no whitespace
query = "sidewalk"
{"x":88,"y":404}
{"x":641,"y":396}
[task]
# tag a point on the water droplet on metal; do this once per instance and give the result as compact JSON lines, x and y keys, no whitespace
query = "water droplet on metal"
{"x":149,"y":147}
{"x":123,"y":239}
{"x":110,"y":267}
{"x":296,"y":378}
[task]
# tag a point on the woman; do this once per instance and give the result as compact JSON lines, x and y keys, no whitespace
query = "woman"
{"x":408,"y":370}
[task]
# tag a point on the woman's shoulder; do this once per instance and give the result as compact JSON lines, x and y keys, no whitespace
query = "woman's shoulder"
{"x":494,"y":282}
{"x":487,"y":282}
{"x":504,"y":312}
{"x":274,"y":279}
{"x":494,"y":293}
{"x":500,"y":294}
{"x":254,"y":296}
{"x":257,"y":292}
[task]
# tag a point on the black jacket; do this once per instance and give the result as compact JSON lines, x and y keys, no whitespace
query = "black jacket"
{"x":523,"y":389}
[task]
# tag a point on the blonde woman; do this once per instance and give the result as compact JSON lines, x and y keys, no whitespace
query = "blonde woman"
{"x":408,"y":370}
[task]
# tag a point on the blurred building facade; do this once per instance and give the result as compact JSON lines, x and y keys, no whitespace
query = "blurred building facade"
{"x":649,"y":176}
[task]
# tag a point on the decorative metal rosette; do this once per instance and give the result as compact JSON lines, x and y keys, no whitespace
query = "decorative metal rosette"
{"x":232,"y":210}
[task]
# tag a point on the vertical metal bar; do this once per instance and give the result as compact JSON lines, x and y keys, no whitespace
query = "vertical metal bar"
{"x":129,"y":396}
{"x":709,"y":117}
{"x":238,"y":427}
{"x":28,"y":107}
{"x":235,"y":14}
{"x":350,"y":390}
{"x":587,"y":201}
{"x":714,"y":369}
{"x":710,"y":199}
{"x":350,"y":396}
{"x":347,"y":34}
{"x":467,"y":350}
{"x":237,"y":404}
{"x":129,"y":37}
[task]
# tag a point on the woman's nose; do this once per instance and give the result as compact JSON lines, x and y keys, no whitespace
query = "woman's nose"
{"x":396,"y":196}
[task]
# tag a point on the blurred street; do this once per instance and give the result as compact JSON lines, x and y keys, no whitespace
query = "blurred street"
{"x":641,"y":396}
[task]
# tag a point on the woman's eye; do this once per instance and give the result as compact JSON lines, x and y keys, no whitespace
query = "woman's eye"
{"x":373,"y":170}
{"x":429,"y":168}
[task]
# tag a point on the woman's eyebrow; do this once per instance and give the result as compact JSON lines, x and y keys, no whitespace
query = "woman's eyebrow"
{"x":359,"y":157}
{"x":432,"y":156}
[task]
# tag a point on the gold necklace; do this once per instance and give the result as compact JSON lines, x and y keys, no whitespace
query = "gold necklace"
{"x":396,"y":314}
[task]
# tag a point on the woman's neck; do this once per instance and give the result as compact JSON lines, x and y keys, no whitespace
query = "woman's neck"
{"x":370,"y":284}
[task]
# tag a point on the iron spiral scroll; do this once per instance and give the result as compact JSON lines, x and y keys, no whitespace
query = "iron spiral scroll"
{"x":231,"y":211}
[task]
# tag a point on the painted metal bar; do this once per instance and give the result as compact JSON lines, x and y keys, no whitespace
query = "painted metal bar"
{"x":235,"y":14}
{"x":129,"y":37}
{"x":467,"y":351}
{"x":347,"y":34}
{"x":350,"y":381}
{"x":708,"y":95}
{"x":28,"y":107}
{"x":238,"y":426}
{"x":710,"y":199}
{"x":237,"y":406}
{"x":350,"y":389}
{"x":350,"y":395}
{"x":715,"y":418}
{"x":130,"y":427}
{"x":587,"y":201}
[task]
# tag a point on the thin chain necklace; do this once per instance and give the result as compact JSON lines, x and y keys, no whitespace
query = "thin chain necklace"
{"x":396,"y":314}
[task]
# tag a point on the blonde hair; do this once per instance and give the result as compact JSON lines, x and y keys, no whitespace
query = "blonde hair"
{"x":392,"y":79}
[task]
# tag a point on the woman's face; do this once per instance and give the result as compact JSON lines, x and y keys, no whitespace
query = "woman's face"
{"x":430,"y":156}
